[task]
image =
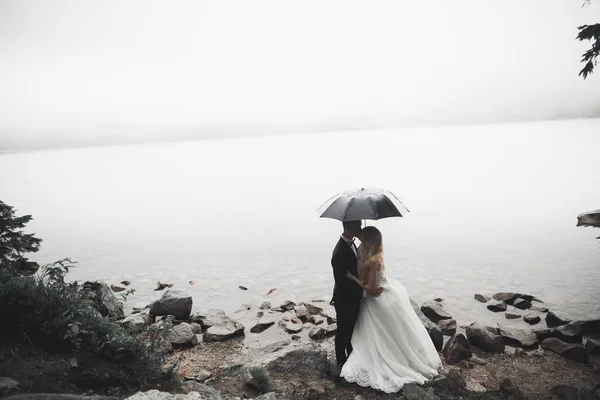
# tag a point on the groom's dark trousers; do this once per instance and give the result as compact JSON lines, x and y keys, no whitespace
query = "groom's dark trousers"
{"x":346,"y":298}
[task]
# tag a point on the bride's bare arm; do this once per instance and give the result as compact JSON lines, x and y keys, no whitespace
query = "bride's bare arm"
{"x":376,"y":291}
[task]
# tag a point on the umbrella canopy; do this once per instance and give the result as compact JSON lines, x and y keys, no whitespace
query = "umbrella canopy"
{"x":359,"y":204}
{"x":591,"y":218}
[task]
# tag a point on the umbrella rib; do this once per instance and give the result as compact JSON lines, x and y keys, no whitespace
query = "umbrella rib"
{"x":347,"y":207}
{"x":372,"y":204}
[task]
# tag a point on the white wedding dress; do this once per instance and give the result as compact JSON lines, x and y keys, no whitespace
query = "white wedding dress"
{"x":390,"y":344}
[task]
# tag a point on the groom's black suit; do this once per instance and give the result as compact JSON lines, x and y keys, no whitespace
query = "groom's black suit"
{"x":346,"y":297}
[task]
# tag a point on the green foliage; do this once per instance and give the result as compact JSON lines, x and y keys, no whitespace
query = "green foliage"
{"x":13,"y":242}
{"x":590,"y":57}
{"x":50,"y":312}
{"x":260,"y":379}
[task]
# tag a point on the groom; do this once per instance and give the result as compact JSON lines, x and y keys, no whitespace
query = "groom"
{"x":346,"y":293}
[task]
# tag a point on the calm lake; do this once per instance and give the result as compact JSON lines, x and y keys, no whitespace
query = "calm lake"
{"x":493,"y":208}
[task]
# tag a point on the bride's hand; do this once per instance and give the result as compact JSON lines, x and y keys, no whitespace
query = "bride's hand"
{"x":350,"y":276}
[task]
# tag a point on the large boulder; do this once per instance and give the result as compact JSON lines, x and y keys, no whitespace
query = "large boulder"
{"x":434,"y":331}
{"x":182,"y":335}
{"x":496,"y":305}
{"x":457,"y":349}
{"x":173,"y":302}
{"x":569,"y":333}
{"x":224,"y":330}
{"x":107,"y":303}
{"x":301,"y":313}
{"x":195,"y":391}
{"x":524,"y":338}
{"x":213,"y":317}
{"x":591,"y":327}
{"x":448,"y":326}
{"x":481,"y":298}
{"x":592,"y":346}
{"x":506,"y":297}
{"x":485,"y":338}
{"x":553,"y":320}
{"x":532,"y":319}
{"x":522,"y":304}
{"x":138,"y":321}
{"x":434,"y":311}
{"x":575,"y":352}
{"x":306,"y":360}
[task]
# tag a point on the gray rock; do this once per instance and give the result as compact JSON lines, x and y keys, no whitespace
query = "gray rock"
{"x":138,"y":321}
{"x":301,"y":313}
{"x":434,"y":311}
{"x":575,"y":352}
{"x":308,"y":359}
{"x":457,"y":349}
{"x":7,"y":385}
{"x":330,"y":330}
{"x":481,"y":298}
{"x":532,"y":319}
{"x":108,"y":304}
{"x":195,"y":391}
{"x":223,"y":331}
{"x":591,"y":327}
{"x":506,"y":297}
{"x":317,"y":333}
{"x":565,"y":392}
{"x":288,"y":305}
{"x":522,"y":304}
{"x":312,"y":309}
{"x":519,"y":352}
{"x":265,"y":305}
{"x":539,"y":309}
{"x":434,"y":331}
{"x":182,"y":335}
{"x":290,"y":326}
{"x":173,"y":302}
{"x":524,"y":338}
{"x":485,"y":338}
{"x":262,"y":326}
{"x":412,"y":391}
{"x":449,"y":385}
{"x":544,"y":333}
{"x":267,"y":396}
{"x":212,"y":317}
{"x":509,"y":390}
{"x":57,"y":396}
{"x":511,"y":315}
{"x":496,"y":305}
{"x":448,"y":326}
{"x":117,"y":288}
{"x":553,"y":320}
{"x":592,"y":346}
{"x":569,"y":333}
{"x":196,"y":328}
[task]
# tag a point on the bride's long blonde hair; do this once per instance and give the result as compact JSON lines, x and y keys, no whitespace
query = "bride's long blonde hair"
{"x":371,"y":250}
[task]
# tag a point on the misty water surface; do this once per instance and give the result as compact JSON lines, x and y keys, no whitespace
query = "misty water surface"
{"x":493,"y":208}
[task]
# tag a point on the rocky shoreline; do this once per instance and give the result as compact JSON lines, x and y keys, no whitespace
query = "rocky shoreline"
{"x":285,"y":351}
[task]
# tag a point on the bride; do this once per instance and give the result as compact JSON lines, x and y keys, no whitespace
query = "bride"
{"x":390,"y":344}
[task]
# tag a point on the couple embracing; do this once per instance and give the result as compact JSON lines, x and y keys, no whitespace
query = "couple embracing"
{"x":380,"y":341}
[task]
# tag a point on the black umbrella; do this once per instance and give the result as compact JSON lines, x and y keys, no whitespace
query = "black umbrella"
{"x":591,"y":218}
{"x":359,"y":204}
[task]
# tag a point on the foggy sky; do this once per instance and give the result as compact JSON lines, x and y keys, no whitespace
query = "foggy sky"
{"x":148,"y":68}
